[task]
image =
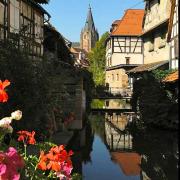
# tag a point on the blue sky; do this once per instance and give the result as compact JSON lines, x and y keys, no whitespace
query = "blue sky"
{"x":69,"y":16}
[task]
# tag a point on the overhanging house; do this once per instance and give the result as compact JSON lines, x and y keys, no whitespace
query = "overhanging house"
{"x":123,"y":51}
{"x":156,"y":49}
{"x":22,"y":22}
{"x":155,"y":29}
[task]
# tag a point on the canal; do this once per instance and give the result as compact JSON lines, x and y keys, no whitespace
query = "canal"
{"x":109,"y":148}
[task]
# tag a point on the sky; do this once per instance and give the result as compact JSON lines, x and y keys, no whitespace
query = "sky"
{"x":69,"y":16}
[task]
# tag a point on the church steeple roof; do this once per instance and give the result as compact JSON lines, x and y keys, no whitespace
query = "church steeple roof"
{"x":89,"y":25}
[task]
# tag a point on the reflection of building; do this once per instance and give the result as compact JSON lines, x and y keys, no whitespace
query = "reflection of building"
{"x":120,"y":121}
{"x":128,"y":162}
{"x":22,"y":22}
{"x":124,"y":50}
{"x":116,"y":139}
{"x":89,"y":34}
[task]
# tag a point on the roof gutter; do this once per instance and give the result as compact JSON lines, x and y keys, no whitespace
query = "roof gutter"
{"x":41,"y":8}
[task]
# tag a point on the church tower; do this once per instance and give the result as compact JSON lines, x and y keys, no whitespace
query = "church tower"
{"x":89,"y":35}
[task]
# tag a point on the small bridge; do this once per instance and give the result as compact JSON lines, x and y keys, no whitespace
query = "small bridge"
{"x":113,"y":97}
{"x":109,"y":111}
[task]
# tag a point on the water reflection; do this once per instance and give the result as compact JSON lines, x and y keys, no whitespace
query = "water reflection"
{"x":115,"y":139}
{"x":128,"y":162}
{"x":111,"y":104}
{"x":111,"y":151}
{"x":117,"y":104}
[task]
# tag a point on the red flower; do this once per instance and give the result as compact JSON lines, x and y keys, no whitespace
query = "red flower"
{"x":3,"y":94}
{"x":26,"y":137}
{"x":54,"y":159}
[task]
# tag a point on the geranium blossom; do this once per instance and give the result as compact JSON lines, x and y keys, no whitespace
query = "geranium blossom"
{"x":26,"y":137}
{"x":5,"y":122}
{"x":58,"y":160}
{"x":10,"y":163}
{"x":16,"y":115}
{"x":3,"y":94}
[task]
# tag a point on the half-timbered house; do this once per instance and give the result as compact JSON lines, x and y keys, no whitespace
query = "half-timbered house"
{"x":173,"y":35}
{"x":123,"y":50}
{"x":155,"y":28}
{"x":22,"y":22}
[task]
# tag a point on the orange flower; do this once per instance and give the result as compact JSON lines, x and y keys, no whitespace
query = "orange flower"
{"x":26,"y":137}
{"x":3,"y":94}
{"x":42,"y":163}
{"x":54,"y":159}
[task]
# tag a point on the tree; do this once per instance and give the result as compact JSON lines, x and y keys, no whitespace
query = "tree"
{"x":98,"y":60}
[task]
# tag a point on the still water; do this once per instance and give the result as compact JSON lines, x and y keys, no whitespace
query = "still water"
{"x":110,"y":149}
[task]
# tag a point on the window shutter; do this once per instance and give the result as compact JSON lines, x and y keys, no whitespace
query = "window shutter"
{"x":176,"y":48}
{"x":1,"y":14}
{"x":14,"y":16}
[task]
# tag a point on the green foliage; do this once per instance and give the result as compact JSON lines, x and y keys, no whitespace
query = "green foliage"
{"x":96,"y":103}
{"x":161,"y":74}
{"x":45,"y":146}
{"x":98,"y":60}
{"x":29,"y":89}
{"x":76,"y":176}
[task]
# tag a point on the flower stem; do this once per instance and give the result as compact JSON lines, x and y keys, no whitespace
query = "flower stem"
{"x":25,"y":150}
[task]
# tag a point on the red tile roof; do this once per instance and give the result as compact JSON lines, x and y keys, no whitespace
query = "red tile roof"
{"x":171,"y":77}
{"x":131,"y":23}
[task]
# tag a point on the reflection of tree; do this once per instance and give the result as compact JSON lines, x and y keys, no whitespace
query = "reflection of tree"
{"x":97,"y":124}
{"x":81,"y":154}
{"x":159,"y":155}
{"x":86,"y":150}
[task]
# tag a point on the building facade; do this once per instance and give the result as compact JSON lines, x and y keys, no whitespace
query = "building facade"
{"x":123,"y":50}
{"x":89,"y":34}
{"x":173,"y":35}
{"x":155,"y":29}
{"x":22,"y":22}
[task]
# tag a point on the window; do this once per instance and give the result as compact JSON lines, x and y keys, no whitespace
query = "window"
{"x":112,"y":77}
{"x":110,"y":61}
{"x":14,"y":16}
{"x":127,"y":60}
{"x":117,"y":77}
{"x":162,"y":42}
{"x":1,"y":13}
{"x":151,"y":44}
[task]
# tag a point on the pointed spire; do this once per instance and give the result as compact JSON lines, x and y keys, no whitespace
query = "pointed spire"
{"x":89,"y":25}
